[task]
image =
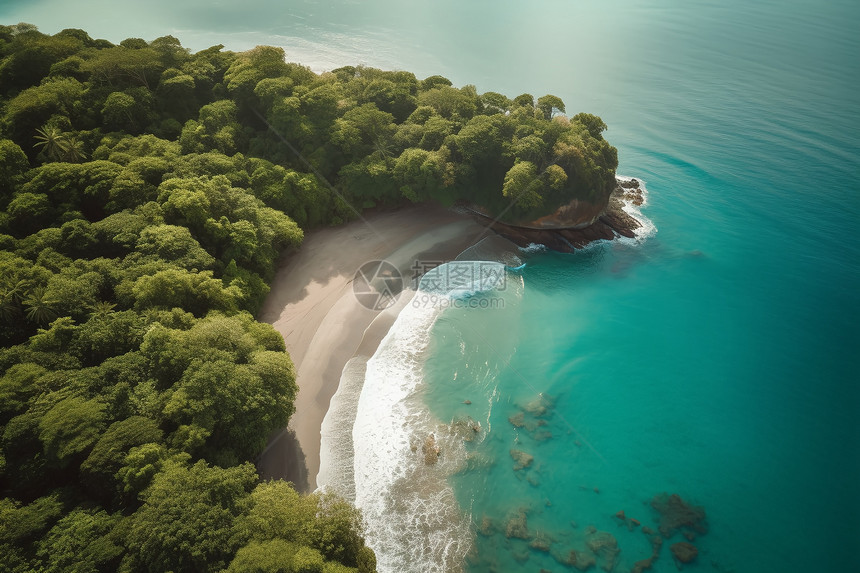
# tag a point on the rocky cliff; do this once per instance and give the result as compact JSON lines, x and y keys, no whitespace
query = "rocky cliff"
{"x":577,"y":224}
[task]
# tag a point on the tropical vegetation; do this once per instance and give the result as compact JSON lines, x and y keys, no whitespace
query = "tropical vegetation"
{"x":146,"y":193}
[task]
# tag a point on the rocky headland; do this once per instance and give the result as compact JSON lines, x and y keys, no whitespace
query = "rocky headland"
{"x":577,"y":224}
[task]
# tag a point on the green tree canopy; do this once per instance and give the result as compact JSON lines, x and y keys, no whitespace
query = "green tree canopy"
{"x":146,"y":195}
{"x":250,"y":67}
{"x":34,"y":107}
{"x":174,"y":243}
{"x":70,"y":428}
{"x":125,"y":66}
{"x":322,"y":521}
{"x":186,"y":521}
{"x":85,"y":540}
{"x":592,"y":123}
{"x":99,"y":470}
{"x":13,"y":165}
{"x":550,"y":105}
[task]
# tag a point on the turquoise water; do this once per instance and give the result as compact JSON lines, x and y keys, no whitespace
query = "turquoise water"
{"x":717,"y":358}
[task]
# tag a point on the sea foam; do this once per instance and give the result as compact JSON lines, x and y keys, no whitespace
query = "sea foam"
{"x":533,"y":248}
{"x":647,"y":228}
{"x":336,"y":447}
{"x":414,"y":523}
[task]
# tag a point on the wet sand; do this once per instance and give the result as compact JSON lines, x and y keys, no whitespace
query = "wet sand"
{"x":312,"y":305}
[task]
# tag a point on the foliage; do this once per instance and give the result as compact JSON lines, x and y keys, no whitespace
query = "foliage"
{"x":21,"y":523}
{"x":84,"y":540}
{"x":70,"y":428}
{"x":146,"y":194}
{"x":108,"y":456}
{"x":13,"y":164}
{"x":321,"y":520}
{"x":186,"y":520}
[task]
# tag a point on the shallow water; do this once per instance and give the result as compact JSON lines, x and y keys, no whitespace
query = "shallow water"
{"x":715,"y":359}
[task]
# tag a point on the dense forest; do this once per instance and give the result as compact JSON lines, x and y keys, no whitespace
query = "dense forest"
{"x":145,"y":195}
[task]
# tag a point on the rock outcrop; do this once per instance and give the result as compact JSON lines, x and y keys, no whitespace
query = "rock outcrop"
{"x":581,"y":560}
{"x":676,"y":514}
{"x":521,"y":459}
{"x":604,"y":545}
{"x":516,"y":525}
{"x":571,"y":232}
{"x":430,"y":450}
{"x":541,"y":542}
{"x":684,"y":552}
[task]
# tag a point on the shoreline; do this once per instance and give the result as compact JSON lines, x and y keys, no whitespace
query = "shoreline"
{"x":613,"y":222}
{"x":326,"y":330}
{"x":337,"y":454}
{"x":311,"y":304}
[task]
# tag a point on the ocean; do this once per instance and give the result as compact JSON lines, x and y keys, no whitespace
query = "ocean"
{"x":712,"y":358}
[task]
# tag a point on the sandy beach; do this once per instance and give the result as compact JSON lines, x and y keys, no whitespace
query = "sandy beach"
{"x":313,"y":306}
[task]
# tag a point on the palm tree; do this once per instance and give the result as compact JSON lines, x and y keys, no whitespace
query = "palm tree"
{"x":385,"y":148}
{"x":39,"y":308}
{"x":74,"y":150}
{"x":52,"y":141}
{"x":102,"y":308}
{"x":10,"y":298}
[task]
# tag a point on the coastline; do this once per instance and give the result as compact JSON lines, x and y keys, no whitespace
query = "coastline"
{"x":614,"y":221}
{"x":326,"y":330}
{"x":312,"y":305}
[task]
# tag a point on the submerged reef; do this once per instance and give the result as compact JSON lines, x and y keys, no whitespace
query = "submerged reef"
{"x":604,"y":545}
{"x":684,"y":552}
{"x":465,"y":428}
{"x":532,"y":417}
{"x":592,"y":548}
{"x":676,"y":514}
{"x":516,"y":525}
{"x":430,"y":450}
{"x":521,"y":459}
{"x":542,"y":541}
{"x":656,"y":545}
{"x":659,"y":518}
